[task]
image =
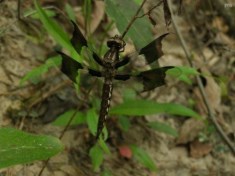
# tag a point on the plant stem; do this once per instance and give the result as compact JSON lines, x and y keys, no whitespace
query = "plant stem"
{"x":18,"y":10}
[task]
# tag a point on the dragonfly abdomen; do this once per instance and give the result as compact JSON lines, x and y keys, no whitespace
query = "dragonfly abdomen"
{"x":105,"y":104}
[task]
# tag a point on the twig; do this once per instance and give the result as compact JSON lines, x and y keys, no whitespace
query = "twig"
{"x":133,"y":19}
{"x":5,"y":28}
{"x":150,"y":10}
{"x":50,"y":92}
{"x":136,"y":16}
{"x":19,"y":10}
{"x":199,"y":82}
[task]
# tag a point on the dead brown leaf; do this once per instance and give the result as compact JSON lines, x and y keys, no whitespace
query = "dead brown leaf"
{"x":213,"y":93}
{"x":199,"y":149}
{"x":189,"y":131}
{"x":219,"y":23}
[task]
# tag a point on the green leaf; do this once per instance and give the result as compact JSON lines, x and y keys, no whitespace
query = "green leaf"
{"x":147,"y":107}
{"x":49,"y":13}
{"x":64,"y":118}
{"x":140,"y":31}
{"x":56,"y":32}
{"x":188,"y":70}
{"x":104,"y":146}
{"x":70,"y":12}
{"x":104,"y":135}
{"x":138,"y":2}
{"x":106,"y":173}
{"x":18,"y":147}
{"x":53,"y":61}
{"x":97,"y":156}
{"x":182,"y":73}
{"x":129,"y":94}
{"x":163,"y":127}
{"x":124,"y":123}
{"x":35,"y":74}
{"x":143,"y":158}
{"x":92,"y":121}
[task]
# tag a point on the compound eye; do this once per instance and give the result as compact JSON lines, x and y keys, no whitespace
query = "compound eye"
{"x":110,"y":43}
{"x":119,"y":45}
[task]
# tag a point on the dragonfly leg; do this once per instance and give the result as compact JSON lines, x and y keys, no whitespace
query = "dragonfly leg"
{"x":94,"y":73}
{"x":123,"y":62}
{"x":122,"y":77}
{"x":97,"y":59}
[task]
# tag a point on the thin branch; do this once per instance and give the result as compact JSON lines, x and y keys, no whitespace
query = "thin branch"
{"x":5,"y":28}
{"x":133,"y":19}
{"x":19,"y":10}
{"x":150,"y":10}
{"x":199,"y":82}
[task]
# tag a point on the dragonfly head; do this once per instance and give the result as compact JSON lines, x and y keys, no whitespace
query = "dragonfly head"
{"x":117,"y":43}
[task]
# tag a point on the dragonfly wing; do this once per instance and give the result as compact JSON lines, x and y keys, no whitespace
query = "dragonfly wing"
{"x":153,"y":51}
{"x":78,"y":40}
{"x":153,"y":78}
{"x":69,"y":66}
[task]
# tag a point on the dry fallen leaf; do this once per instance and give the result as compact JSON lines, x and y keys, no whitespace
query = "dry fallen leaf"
{"x":218,"y":22}
{"x":199,"y":149}
{"x":213,"y":93}
{"x":190,"y":130}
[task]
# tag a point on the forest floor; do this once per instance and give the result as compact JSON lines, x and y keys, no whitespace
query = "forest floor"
{"x":181,"y":156}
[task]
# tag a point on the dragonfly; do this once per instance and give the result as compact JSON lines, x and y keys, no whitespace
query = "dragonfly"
{"x":110,"y":63}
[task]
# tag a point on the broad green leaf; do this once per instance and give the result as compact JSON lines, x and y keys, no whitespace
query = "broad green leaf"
{"x":64,"y":118}
{"x":35,"y":74}
{"x":56,"y":32}
{"x":18,"y":147}
{"x":147,"y":107}
{"x":92,"y":121}
{"x":96,"y":154}
{"x":163,"y":127}
{"x":143,"y":158}
{"x":140,"y":31}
